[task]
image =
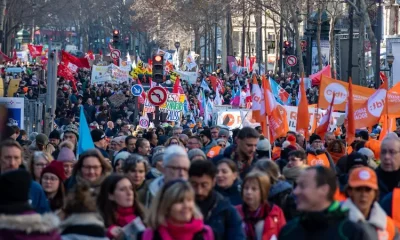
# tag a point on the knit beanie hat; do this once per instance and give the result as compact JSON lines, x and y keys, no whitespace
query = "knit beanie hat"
{"x":14,"y":188}
{"x":54,"y":135}
{"x":66,"y":155}
{"x":72,"y":128}
{"x":314,"y":137}
{"x":263,"y":145}
{"x":206,"y":133}
{"x":56,"y":168}
{"x":291,"y":139}
{"x":120,"y":156}
{"x":196,"y":152}
{"x":157,"y":156}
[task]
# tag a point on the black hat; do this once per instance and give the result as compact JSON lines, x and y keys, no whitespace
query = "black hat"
{"x":354,"y":159}
{"x":54,"y":135}
{"x":14,"y":188}
{"x":206,"y":133}
{"x":97,"y":135}
{"x":314,"y":137}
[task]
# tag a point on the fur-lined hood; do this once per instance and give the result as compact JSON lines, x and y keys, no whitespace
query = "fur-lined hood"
{"x":82,"y":219}
{"x":377,"y":217}
{"x":29,"y":223}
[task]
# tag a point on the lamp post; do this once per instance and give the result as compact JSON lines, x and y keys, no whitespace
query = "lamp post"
{"x":378,"y":34}
{"x":177,"y":45}
{"x":390,"y":60}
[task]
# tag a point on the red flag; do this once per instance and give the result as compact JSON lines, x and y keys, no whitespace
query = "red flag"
{"x":101,"y":52}
{"x":89,"y":55}
{"x":326,"y":119}
{"x":71,"y":59}
{"x":35,"y":50}
{"x":176,"y":85}
{"x":303,"y":117}
{"x":5,"y":57}
{"x":142,"y":97}
{"x":349,"y":120}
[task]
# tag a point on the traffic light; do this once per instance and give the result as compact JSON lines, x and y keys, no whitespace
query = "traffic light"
{"x":287,"y":48}
{"x":158,"y":68}
{"x":286,"y":44}
{"x":116,"y":35}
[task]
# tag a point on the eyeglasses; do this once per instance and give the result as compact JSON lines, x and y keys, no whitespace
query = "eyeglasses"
{"x":175,"y":168}
{"x":222,"y":145}
{"x":40,"y":165}
{"x":88,"y":168}
{"x":223,"y":136}
{"x":172,"y":143}
{"x":50,"y":179}
{"x":201,"y":135}
{"x":390,"y":152}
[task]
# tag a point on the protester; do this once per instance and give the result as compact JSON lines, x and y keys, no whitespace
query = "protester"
{"x":174,"y":140}
{"x":207,"y":141}
{"x":260,"y":217}
{"x":228,"y":183}
{"x":91,"y":169}
{"x":196,"y":154}
{"x":321,"y":217}
{"x":218,"y":213}
{"x":174,"y":215}
{"x":100,"y":143}
{"x":38,"y":162}
{"x":118,"y":204}
{"x":214,"y":132}
{"x":336,"y":149}
{"x":17,"y":217}
{"x":135,"y":169}
{"x":317,"y":155}
{"x":295,"y":166}
{"x":67,"y":157}
{"x":142,"y":147}
{"x":52,"y":180}
{"x":130,"y":143}
{"x":194,"y":142}
{"x":118,"y":161}
{"x":363,"y":207}
{"x":156,"y":163}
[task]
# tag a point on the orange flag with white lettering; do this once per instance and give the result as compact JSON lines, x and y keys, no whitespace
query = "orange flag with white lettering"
{"x":349,"y":120}
{"x":303,"y":116}
{"x":326,"y":119}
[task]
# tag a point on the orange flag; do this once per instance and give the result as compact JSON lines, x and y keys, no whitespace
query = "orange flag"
{"x":326,"y":119}
{"x":303,"y":116}
{"x":257,"y":100}
{"x":349,"y":120}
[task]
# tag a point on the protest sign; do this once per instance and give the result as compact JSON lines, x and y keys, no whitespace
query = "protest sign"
{"x":110,"y":74}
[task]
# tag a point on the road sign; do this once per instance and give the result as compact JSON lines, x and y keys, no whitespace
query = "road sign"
{"x":115,"y":54}
{"x":144,"y":122}
{"x":157,"y":95}
{"x":137,"y":90}
{"x":291,"y":60}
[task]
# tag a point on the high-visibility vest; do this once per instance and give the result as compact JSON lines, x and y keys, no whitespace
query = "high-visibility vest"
{"x":349,"y":149}
{"x":214,"y":151}
{"x":396,"y":207}
{"x":375,"y":146}
{"x":320,"y":159}
{"x":339,"y":196}
{"x":276,"y":153}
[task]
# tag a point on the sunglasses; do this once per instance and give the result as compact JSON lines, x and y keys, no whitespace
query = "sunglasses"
{"x":222,"y":145}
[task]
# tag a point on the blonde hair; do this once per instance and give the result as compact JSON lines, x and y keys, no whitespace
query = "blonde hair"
{"x":171,"y":193}
{"x":263,"y":181}
{"x":36,"y":156}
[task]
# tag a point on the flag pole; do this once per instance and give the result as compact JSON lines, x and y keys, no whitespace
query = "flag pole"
{"x":269,"y":138}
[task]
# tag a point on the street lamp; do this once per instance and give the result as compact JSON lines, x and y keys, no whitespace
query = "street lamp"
{"x":390,"y":60}
{"x":177,"y":45}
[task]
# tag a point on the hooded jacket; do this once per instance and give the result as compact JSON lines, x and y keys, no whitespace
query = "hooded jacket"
{"x":83,"y":226}
{"x":376,"y":224}
{"x":208,"y":147}
{"x":29,"y":226}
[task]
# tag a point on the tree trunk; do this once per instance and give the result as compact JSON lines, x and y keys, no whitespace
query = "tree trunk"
{"x":297,"y":39}
{"x":277,"y":43}
{"x":259,"y":41}
{"x":197,"y":48}
{"x":243,"y":47}
{"x":248,"y":38}
{"x":265,"y":43}
{"x":319,"y":25}
{"x":229,"y":32}
{"x":371,"y":35}
{"x":332,"y":46}
{"x":361,"y":59}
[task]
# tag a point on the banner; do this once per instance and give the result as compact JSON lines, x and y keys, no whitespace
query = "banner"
{"x":15,"y":108}
{"x":370,"y":112}
{"x":232,"y":117}
{"x":324,"y":55}
{"x":111,"y":74}
{"x":119,"y":75}
{"x":329,"y":86}
{"x":190,"y":77}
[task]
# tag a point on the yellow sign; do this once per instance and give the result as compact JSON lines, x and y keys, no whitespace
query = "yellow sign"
{"x":13,"y":86}
{"x":1,"y":87}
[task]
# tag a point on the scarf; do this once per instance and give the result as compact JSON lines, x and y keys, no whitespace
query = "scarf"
{"x":207,"y":204}
{"x":125,"y":215}
{"x":186,"y":231}
{"x":336,"y":156}
{"x":252,"y":218}
{"x":291,"y":174}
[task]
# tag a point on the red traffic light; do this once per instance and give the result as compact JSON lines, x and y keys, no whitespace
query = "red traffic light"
{"x":286,"y":44}
{"x":157,"y":58}
{"x":116,"y":32}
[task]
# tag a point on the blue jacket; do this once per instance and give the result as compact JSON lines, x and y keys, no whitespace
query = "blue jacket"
{"x":225,"y":221}
{"x":233,"y":193}
{"x":38,"y":199}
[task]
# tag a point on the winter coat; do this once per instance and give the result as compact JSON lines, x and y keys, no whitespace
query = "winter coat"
{"x":29,"y":226}
{"x":281,"y":194}
{"x":233,"y":193}
{"x":83,"y":226}
{"x":377,"y":222}
{"x":208,"y":147}
{"x":330,"y":224}
{"x":153,"y":189}
{"x":225,"y":220}
{"x":142,"y":191}
{"x":38,"y":199}
{"x":313,"y":152}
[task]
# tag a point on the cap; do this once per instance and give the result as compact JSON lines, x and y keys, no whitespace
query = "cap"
{"x":54,"y":135}
{"x":223,"y":132}
{"x":363,"y":177}
{"x":42,"y":139}
{"x":56,"y":168}
{"x":97,"y":135}
{"x":355,"y":159}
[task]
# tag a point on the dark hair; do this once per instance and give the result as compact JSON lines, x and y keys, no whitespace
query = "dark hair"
{"x":105,"y":166}
{"x":139,"y":143}
{"x":16,"y":129}
{"x":231,"y":164}
{"x":129,"y":138}
{"x":131,"y":162}
{"x":80,"y":200}
{"x":248,"y":132}
{"x":22,"y":132}
{"x":359,"y":145}
{"x":299,"y":154}
{"x":148,"y":136}
{"x":10,"y":143}
{"x":108,"y":208}
{"x":201,"y":168}
{"x":57,"y":202}
{"x":324,"y":175}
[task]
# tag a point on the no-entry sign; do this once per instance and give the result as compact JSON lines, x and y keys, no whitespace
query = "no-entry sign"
{"x":291,"y":61}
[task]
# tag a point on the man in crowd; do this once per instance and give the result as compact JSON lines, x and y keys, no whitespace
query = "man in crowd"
{"x":193,"y":143}
{"x":152,"y":138}
{"x":321,"y":217}
{"x":328,"y":138}
{"x":207,"y":141}
{"x":317,"y":154}
{"x":130,"y":143}
{"x":214,"y":132}
{"x":388,"y":172}
{"x":11,"y":159}
{"x":143,"y":147}
{"x":218,"y":213}
{"x":175,"y":166}
{"x":54,"y":138}
{"x":177,"y":130}
{"x":100,"y":143}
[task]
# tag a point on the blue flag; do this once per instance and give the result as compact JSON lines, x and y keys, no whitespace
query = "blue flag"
{"x":85,"y":139}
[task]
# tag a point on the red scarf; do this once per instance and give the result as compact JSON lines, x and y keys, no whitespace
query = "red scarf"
{"x":251,"y":218}
{"x":181,"y":232}
{"x":125,"y":216}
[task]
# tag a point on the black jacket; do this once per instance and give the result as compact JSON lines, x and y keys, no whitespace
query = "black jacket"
{"x":331,"y":224}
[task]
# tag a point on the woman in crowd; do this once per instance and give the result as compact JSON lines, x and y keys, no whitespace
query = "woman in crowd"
{"x":362,"y":190}
{"x":118,"y":204}
{"x":91,"y":169}
{"x":52,"y":181}
{"x":337,"y":150}
{"x":261,"y":219}
{"x":174,"y":215}
{"x":174,"y":140}
{"x":296,"y":164}
{"x":67,"y":157}
{"x":38,"y":162}
{"x":82,"y":221}
{"x":135,"y":168}
{"x":228,"y":183}
{"x":119,"y":160}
